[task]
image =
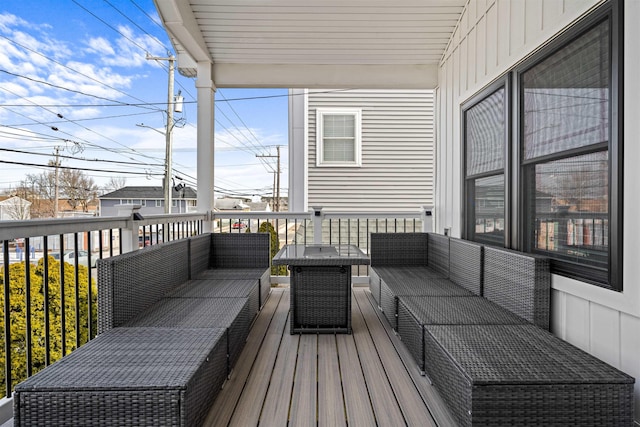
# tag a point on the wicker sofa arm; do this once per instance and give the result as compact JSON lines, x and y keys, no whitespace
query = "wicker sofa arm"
{"x":519,"y":282}
{"x":199,"y":254}
{"x":389,"y":249}
{"x":240,"y":250}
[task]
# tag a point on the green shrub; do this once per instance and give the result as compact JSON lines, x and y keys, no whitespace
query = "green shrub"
{"x":18,"y":315}
{"x":267,"y":227}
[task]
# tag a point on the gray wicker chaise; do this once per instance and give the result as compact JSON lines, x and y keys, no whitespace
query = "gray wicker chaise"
{"x":476,"y":320}
{"x":173,"y":319}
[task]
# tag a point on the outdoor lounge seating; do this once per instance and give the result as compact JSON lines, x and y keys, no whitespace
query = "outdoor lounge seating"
{"x":166,"y":343}
{"x":476,"y":321}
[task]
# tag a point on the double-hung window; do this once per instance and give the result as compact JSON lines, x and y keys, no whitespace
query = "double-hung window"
{"x":338,"y":137}
{"x":570,"y":151}
{"x":565,"y":153}
{"x":485,"y":137}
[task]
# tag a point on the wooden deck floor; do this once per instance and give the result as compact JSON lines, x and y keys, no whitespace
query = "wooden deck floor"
{"x":363,"y":379}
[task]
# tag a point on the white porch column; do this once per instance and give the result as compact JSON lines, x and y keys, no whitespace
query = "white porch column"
{"x":206,"y":108}
{"x":298,"y":142}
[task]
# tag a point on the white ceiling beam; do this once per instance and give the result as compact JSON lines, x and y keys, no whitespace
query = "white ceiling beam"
{"x":323,"y":76}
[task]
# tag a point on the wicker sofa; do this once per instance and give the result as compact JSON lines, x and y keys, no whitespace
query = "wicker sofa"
{"x":476,"y":320}
{"x":172,"y":320}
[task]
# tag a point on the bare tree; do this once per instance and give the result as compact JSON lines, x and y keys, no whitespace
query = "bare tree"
{"x":78,"y":187}
{"x":114,"y":183}
{"x":39,"y":189}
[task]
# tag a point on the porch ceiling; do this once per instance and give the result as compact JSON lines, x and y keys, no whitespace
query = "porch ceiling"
{"x":320,"y":44}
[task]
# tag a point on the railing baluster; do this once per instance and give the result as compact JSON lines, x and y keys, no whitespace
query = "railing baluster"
{"x":89,"y":289}
{"x":63,"y":317}
{"x":7,"y":320}
{"x":27,"y":308}
{"x":47,"y":327}
{"x":76,"y":277}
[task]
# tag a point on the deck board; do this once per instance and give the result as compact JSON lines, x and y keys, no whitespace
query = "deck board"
{"x":224,"y":406}
{"x":250,"y":403}
{"x":304,"y":396}
{"x":362,"y":379}
{"x":275,"y":409}
{"x":411,"y":404}
{"x":356,"y":396}
{"x":387,"y":411}
{"x":330,"y":398}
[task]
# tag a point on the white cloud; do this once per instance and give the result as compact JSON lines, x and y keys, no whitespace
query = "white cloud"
{"x":129,"y":49}
{"x":8,"y":21}
{"x":100,"y":46}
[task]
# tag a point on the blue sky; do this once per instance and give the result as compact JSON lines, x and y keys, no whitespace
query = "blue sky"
{"x":73,"y":75}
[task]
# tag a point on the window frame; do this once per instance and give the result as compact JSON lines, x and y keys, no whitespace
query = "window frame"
{"x":469,"y":220}
{"x":612,"y":278}
{"x":517,"y":229}
{"x":357,"y":114}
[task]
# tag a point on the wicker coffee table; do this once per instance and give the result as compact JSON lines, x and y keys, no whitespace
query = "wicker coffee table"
{"x":320,"y":286}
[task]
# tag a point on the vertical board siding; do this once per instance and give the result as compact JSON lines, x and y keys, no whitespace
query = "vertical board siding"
{"x":629,"y":351}
{"x":478,"y":54}
{"x":397,"y":152}
{"x":604,"y":331}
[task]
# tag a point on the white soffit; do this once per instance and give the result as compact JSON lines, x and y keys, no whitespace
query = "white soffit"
{"x":320,"y":43}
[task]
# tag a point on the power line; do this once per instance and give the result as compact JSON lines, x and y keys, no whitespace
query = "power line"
{"x":61,"y":87}
{"x":89,"y":119}
{"x":73,"y":70}
{"x":108,"y":25}
{"x":80,"y":158}
{"x":79,"y":169}
{"x":83,"y":127}
{"x":135,"y":24}
{"x":248,"y":98}
{"x":148,"y":16}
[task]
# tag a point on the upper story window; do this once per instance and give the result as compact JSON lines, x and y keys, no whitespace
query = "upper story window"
{"x":338,"y":137}
{"x":158,"y":203}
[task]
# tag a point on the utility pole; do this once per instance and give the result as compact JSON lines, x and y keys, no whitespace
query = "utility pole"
{"x":56,"y":185}
{"x":169,"y":132}
{"x":276,"y":180}
{"x":278,"y":186}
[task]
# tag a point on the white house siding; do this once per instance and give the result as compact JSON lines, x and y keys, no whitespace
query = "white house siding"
{"x":493,"y":36}
{"x":397,"y":152}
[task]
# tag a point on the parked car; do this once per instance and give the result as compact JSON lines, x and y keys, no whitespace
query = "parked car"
{"x":239,"y":225}
{"x":70,"y":257}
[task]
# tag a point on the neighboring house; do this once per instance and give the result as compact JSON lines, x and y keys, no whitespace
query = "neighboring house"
{"x":67,"y":210}
{"x":380,"y":142}
{"x":150,"y":198}
{"x":229,"y":204}
{"x":14,"y":208}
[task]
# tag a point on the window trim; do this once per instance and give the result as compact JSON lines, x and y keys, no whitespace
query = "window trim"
{"x":357,"y":114}
{"x":611,"y":279}
{"x":468,"y":193}
{"x":516,"y":227}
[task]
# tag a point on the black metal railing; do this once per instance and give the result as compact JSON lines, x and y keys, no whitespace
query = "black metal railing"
{"x":49,"y":281}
